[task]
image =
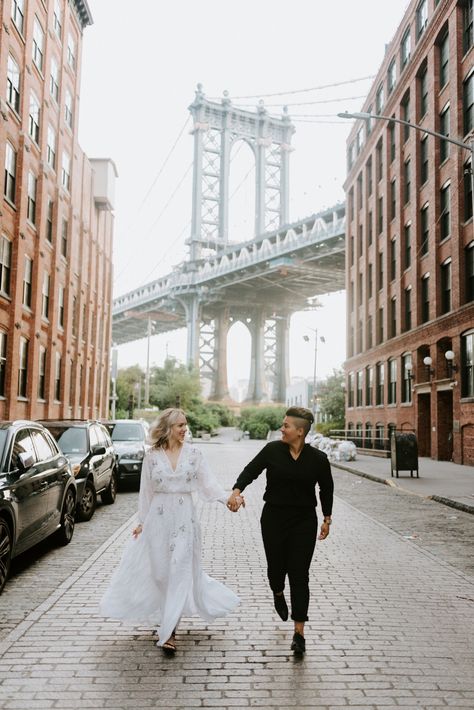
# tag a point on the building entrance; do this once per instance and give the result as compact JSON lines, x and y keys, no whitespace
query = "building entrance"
{"x":424,"y":424}
{"x":445,"y":425}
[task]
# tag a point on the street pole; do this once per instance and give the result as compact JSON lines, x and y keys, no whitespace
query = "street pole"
{"x":315,"y":410}
{"x":461,"y":144}
{"x":147,"y":373}
{"x":114,"y":381}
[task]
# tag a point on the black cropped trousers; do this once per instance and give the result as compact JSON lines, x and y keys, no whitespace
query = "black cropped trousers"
{"x":289,"y":537}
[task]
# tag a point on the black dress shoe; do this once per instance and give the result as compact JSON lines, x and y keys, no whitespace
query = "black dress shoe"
{"x":299,"y":644}
{"x":281,"y":606}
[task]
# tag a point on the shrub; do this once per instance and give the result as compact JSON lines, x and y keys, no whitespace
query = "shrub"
{"x":223,"y":413}
{"x":202,"y":418}
{"x":258,"y":421}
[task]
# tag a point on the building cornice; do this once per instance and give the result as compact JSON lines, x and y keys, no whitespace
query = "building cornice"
{"x":83,"y":12}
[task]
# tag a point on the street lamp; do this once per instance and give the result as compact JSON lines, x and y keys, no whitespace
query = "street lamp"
{"x":461,"y":144}
{"x":306,"y":339}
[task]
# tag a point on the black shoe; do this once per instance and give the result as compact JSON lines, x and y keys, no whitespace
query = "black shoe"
{"x":281,"y":606}
{"x":299,"y":644}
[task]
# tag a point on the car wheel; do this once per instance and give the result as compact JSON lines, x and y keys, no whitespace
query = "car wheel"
{"x":68,"y":519}
{"x":110,"y":494}
{"x":5,"y":552}
{"x":88,"y":502}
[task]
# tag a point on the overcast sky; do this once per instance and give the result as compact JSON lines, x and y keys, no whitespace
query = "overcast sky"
{"x":141,"y":64}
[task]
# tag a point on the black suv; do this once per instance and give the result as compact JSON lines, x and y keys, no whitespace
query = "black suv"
{"x":89,"y":449}
{"x":37,"y":491}
{"x":129,"y":441}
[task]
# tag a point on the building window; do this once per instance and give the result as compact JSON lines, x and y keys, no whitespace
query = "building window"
{"x":380,"y":215}
{"x":405,"y":111}
{"x":405,"y":49}
{"x":407,"y":245}
{"x":72,"y":382}
{"x":13,"y":84}
{"x":380,"y":271}
{"x":3,"y":362}
{"x":34,"y":118}
{"x":350,"y":156}
{"x":379,"y":99}
{"x":57,"y":18}
{"x":42,"y":373}
{"x":467,"y":25}
{"x":360,"y":195}
{"x":360,"y":289}
{"x":31,"y":204}
{"x":393,"y":259}
{"x":421,"y":18}
{"x":5,"y":265}
{"x":380,"y":331}
{"x":407,"y":181}
{"x":54,"y":80}
{"x":446,"y":286}
{"x":467,"y":191}
{"x":45,"y":296}
{"x":425,"y":298}
{"x":467,"y":364}
{"x":66,"y":171}
{"x":64,"y":237}
{"x":370,"y":281}
{"x":445,"y":214}
{"x":379,"y":383}
{"x":27,"y":280}
{"x":424,"y":230}
{"x":370,"y":235}
{"x":369,"y":386}
{"x":469,"y":271}
{"x":369,"y":332}
{"x":359,"y":388}
{"x":393,"y":141}
{"x":406,"y":374}
{"x":407,"y":299}
{"x":444,"y":61}
{"x":391,"y":76}
{"x":23,"y":367}
{"x":392,"y":382}
{"x":393,"y":317}
{"x":51,"y":148}
{"x":424,"y":160}
{"x":49,"y":220}
{"x":368,"y":177}
{"x":444,"y":129}
{"x":423,"y":86}
{"x":71,"y":52}
{"x":84,"y":322}
{"x":68,"y":108}
{"x":18,"y":14}
{"x":74,"y":316}
{"x":351,"y":204}
{"x":379,"y":156}
{"x":57,"y":378}
{"x":359,"y":140}
{"x":9,"y":188}
{"x":61,"y":307}
{"x":393,"y":199}
{"x":350,"y":390}
{"x":38,"y":45}
{"x":468,"y":104}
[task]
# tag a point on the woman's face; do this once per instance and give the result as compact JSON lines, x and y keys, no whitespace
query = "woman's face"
{"x":178,"y":430}
{"x":290,"y":433}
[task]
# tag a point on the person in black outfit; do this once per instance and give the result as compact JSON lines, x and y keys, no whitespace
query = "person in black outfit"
{"x":289,"y":522}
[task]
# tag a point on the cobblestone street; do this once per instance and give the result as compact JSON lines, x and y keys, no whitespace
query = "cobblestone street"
{"x":391,"y":616}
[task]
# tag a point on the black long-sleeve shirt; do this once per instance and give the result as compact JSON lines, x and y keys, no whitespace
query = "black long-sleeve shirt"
{"x":290,"y":481}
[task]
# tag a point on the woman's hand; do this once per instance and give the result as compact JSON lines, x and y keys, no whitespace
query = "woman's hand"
{"x":324,"y":532}
{"x":235,"y":501}
{"x":136,"y":531}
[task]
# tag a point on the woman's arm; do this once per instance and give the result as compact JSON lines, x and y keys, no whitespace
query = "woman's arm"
{"x":209,"y":488}
{"x":252,"y":470}
{"x":146,"y":492}
{"x":326,"y":494}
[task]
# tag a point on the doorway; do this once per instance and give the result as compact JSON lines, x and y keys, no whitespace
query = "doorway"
{"x":424,"y":424}
{"x":445,"y":425}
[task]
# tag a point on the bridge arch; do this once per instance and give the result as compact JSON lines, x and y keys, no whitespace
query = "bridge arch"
{"x":242,"y":191}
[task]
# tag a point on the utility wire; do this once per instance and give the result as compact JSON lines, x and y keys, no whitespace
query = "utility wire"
{"x":303,"y":91}
{"x":307,"y":103}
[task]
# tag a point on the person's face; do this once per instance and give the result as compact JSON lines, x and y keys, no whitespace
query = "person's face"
{"x":290,"y":433}
{"x":178,"y":430}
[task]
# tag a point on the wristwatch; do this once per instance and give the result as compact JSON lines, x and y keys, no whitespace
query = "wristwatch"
{"x":328,"y":521}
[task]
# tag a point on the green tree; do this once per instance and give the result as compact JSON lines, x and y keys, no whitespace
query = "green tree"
{"x":128,"y":381}
{"x":174,"y":383}
{"x":332,"y":400}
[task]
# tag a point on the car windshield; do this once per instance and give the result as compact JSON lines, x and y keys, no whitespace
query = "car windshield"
{"x":3,"y":438}
{"x":127,"y":432}
{"x":72,"y":440}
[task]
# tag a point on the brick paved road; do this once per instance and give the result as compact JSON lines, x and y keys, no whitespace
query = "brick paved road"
{"x":391,"y":625}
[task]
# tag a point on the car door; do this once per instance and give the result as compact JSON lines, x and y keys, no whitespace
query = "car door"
{"x":110,"y":453}
{"x":53,"y":466}
{"x":28,"y":490}
{"x":97,"y":461}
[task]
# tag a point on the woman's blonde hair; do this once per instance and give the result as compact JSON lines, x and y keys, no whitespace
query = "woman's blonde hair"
{"x":161,"y":429}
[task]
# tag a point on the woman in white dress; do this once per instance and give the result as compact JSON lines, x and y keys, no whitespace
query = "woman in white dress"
{"x":160,"y":577}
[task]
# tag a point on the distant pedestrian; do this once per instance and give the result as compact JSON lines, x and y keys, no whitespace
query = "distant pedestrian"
{"x":289,"y":522}
{"x":160,"y":577}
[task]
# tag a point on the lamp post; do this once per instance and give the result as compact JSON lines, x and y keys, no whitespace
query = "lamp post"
{"x":306,"y":339}
{"x":456,"y":141}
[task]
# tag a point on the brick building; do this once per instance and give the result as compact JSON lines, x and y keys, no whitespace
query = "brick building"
{"x":55,"y":222}
{"x":410,"y":240}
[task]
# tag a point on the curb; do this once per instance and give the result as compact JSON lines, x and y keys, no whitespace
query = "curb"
{"x":389,"y":482}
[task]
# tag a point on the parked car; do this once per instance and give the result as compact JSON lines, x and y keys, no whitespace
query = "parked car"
{"x":88,"y":446}
{"x":37,"y":491}
{"x":129,"y":437}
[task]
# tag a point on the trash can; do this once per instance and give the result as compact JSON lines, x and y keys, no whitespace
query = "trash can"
{"x":404,"y":452}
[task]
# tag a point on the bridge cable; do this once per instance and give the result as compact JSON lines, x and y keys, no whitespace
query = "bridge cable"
{"x":308,"y":103}
{"x":303,"y":91}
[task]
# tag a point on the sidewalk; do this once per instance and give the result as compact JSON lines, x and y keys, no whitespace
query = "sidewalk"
{"x":442,"y":481}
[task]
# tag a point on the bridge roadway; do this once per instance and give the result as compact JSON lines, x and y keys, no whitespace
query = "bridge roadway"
{"x":277,"y":271}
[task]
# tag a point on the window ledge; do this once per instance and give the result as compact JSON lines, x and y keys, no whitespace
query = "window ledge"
{"x":5,"y":296}
{"x":9,"y":202}
{"x":467,"y":400}
{"x":22,"y":399}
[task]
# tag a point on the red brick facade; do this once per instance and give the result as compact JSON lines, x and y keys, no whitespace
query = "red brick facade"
{"x":55,"y":324}
{"x":410,"y":240}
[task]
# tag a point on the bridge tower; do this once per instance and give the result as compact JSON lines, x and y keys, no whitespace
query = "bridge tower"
{"x":216,"y":127}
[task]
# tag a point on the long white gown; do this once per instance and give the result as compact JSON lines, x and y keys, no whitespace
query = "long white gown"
{"x":160,"y":577}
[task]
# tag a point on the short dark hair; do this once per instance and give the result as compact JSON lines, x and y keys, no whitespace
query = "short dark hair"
{"x":302,"y":413}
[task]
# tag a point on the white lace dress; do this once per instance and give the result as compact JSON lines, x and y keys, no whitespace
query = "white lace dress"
{"x":160,"y":577}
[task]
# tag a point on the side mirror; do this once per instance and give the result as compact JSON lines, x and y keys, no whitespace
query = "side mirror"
{"x":25,"y":460}
{"x":98,"y":450}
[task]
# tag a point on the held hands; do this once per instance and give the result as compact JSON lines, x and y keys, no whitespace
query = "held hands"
{"x":136,"y":531}
{"x":235,"y":501}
